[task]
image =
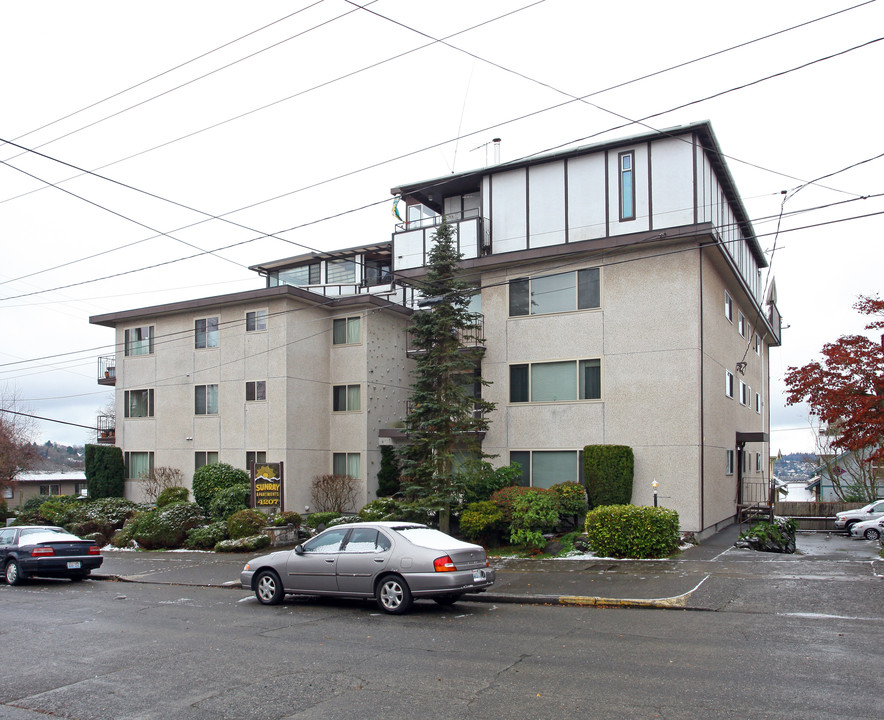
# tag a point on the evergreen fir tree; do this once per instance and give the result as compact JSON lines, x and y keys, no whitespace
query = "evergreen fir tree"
{"x":446,"y":418}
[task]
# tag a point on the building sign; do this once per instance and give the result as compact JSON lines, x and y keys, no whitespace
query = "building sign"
{"x":267,"y":486}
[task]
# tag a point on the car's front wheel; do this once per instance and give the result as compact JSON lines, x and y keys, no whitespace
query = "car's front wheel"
{"x":393,"y":595}
{"x":13,"y":573}
{"x":872,"y":534}
{"x":268,"y":588}
{"x":848,"y":526}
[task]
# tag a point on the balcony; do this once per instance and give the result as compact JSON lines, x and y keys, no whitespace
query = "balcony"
{"x":776,"y":323}
{"x":413,"y":240}
{"x":106,"y":430}
{"x":470,"y":338}
{"x":107,"y":370}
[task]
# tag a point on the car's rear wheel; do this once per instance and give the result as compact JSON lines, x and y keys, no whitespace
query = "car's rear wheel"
{"x":871,"y":534}
{"x":268,"y":588}
{"x":448,"y":599}
{"x":13,"y":573}
{"x":80,"y":576}
{"x":393,"y":595}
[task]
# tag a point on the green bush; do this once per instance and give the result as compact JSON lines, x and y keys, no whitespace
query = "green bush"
{"x":164,"y":527}
{"x":571,"y":497}
{"x":105,"y":471}
{"x":172,"y":495}
{"x":229,"y":500}
{"x":206,"y":537}
{"x":505,"y":497}
{"x":104,"y":515}
{"x":388,"y":475}
{"x":244,"y":523}
{"x":286,"y":518}
{"x":61,"y":510}
{"x":480,"y":479}
{"x":481,"y":520}
{"x":4,"y":511}
{"x":608,"y":471}
{"x":384,"y":508}
{"x":534,"y":513}
{"x":632,"y":531}
{"x":321,"y":518}
{"x":245,"y":544}
{"x":344,"y":520}
{"x":209,"y":479}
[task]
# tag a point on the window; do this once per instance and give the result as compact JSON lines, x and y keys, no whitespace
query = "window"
{"x":562,"y":292}
{"x":758,"y":462}
{"x":556,"y":381}
{"x":138,"y":464}
{"x":728,"y":307}
{"x":745,"y":393}
{"x":205,"y":333}
{"x":758,"y":403}
{"x":80,"y":488}
{"x":50,"y":490}
{"x":346,"y":398}
{"x":367,"y":540}
{"x":341,"y":271}
{"x":205,"y":400}
{"x":138,"y":403}
{"x":139,"y":341}
{"x":346,"y":331}
{"x":757,"y":344}
{"x":744,"y":459}
{"x":204,"y":457}
{"x":256,"y":320}
{"x":302,"y":275}
{"x":256,"y":390}
{"x":545,"y":468}
{"x":6,"y":493}
{"x":741,"y":323}
{"x":255,"y":456}
{"x":627,"y":186}
{"x":329,"y":542}
{"x":347,"y":464}
{"x":728,"y":383}
{"x":729,"y":462}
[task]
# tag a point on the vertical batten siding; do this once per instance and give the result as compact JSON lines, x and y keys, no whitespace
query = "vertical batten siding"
{"x":509,"y":212}
{"x":546,"y":204}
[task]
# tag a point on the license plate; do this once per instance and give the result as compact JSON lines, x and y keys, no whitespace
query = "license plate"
{"x":75,"y":565}
{"x":478,"y":575}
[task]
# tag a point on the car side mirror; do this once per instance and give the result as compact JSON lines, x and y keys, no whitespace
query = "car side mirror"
{"x":299,"y":549}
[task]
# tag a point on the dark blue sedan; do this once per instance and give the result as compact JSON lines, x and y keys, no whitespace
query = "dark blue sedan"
{"x":46,"y":551}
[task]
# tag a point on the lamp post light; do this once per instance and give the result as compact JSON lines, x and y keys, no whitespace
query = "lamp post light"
{"x":654,"y":485}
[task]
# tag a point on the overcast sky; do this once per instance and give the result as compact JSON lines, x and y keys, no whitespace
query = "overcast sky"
{"x":264,"y":130}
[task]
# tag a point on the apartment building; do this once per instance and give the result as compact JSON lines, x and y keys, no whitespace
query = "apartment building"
{"x":623,"y":298}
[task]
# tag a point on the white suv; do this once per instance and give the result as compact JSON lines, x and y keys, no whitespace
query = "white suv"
{"x":846,"y":519}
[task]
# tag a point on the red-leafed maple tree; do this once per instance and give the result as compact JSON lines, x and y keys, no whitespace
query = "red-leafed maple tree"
{"x":846,"y":390}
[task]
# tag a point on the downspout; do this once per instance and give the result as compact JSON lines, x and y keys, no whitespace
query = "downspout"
{"x":702,"y":401}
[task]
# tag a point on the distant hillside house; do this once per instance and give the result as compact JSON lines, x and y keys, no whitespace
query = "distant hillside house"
{"x":50,"y":482}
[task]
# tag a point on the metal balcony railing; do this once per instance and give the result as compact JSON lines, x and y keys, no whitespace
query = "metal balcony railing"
{"x":106,"y":430}
{"x":470,"y":338}
{"x":107,"y":370}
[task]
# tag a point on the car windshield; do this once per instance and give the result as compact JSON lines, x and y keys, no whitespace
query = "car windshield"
{"x":430,"y":538}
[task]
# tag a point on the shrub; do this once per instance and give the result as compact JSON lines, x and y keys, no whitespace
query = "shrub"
{"x":229,"y":500}
{"x":206,"y":537}
{"x":286,"y":518}
{"x":245,"y":544}
{"x":504,"y":498}
{"x":479,"y":479}
{"x":164,"y":527}
{"x":344,"y":520}
{"x":160,"y":479}
{"x":60,"y":510}
{"x":171,"y":495}
{"x":244,"y":523}
{"x":481,"y":520}
{"x":388,"y":475}
{"x":105,"y":471}
{"x":632,"y":531}
{"x":209,"y":479}
{"x":608,"y":470}
{"x":105,"y":515}
{"x":534,"y":513}
{"x":316,"y":519}
{"x":384,"y":508}
{"x":572,"y":501}
{"x":4,"y":511}
{"x":334,"y":492}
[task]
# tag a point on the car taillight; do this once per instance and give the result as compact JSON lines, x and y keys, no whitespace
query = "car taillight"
{"x":95,"y":550}
{"x":444,"y":564}
{"x":42,"y":551}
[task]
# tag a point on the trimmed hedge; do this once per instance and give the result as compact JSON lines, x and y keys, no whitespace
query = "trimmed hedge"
{"x":481,"y":520}
{"x":229,"y":500}
{"x":245,"y":544}
{"x":164,"y":527}
{"x":632,"y":531}
{"x":245,"y":523}
{"x":608,"y":471}
{"x":206,"y":537}
{"x":105,"y":471}
{"x":172,"y":495}
{"x":209,"y":479}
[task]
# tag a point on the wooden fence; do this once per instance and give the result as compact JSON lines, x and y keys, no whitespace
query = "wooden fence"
{"x":813,"y":515}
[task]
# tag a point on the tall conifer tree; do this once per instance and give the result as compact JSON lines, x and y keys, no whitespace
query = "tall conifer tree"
{"x":446,"y":418}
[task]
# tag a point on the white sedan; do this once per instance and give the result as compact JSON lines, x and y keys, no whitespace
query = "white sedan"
{"x":868,"y":529}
